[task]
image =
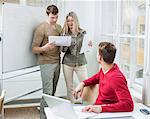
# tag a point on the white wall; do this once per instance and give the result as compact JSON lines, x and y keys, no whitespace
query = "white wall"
{"x":0,"y":48}
{"x":1,"y":82}
{"x":0,"y":23}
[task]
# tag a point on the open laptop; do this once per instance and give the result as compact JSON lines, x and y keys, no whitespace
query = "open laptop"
{"x":64,"y":108}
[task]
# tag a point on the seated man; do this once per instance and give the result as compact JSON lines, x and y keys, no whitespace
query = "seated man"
{"x":114,"y":95}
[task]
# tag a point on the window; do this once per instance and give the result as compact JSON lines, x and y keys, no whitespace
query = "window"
{"x":133,"y":23}
{"x":127,"y":29}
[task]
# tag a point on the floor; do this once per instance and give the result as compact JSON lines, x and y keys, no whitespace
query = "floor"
{"x":22,"y":113}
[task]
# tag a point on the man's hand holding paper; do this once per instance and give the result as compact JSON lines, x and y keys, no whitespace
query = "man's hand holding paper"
{"x":48,"y":46}
{"x":60,"y":40}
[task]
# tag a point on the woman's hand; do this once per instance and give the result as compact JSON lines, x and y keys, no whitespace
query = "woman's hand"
{"x":93,"y":108}
{"x":90,"y":43}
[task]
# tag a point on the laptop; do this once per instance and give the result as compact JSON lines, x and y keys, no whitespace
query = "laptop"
{"x":64,"y":108}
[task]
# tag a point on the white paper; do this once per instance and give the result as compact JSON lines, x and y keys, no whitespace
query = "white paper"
{"x":50,"y":114}
{"x":85,"y":47}
{"x":60,"y":40}
{"x":83,"y":115}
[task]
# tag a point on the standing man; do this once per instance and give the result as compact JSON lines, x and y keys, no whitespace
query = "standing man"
{"x":48,"y":54}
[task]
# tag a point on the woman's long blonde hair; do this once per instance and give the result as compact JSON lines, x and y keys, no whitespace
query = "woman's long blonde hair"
{"x":66,"y":29}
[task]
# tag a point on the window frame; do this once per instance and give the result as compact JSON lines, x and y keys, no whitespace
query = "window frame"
{"x":135,"y":83}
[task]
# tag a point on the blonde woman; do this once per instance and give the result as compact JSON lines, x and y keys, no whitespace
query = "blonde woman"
{"x":73,"y":61}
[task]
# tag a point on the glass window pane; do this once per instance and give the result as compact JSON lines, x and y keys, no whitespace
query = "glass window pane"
{"x":126,"y":17}
{"x":125,"y":52}
{"x":132,"y":58}
{"x":133,"y":17}
{"x":140,"y":61}
{"x":132,"y":49}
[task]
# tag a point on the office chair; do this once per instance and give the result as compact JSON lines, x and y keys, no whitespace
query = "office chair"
{"x":2,"y":104}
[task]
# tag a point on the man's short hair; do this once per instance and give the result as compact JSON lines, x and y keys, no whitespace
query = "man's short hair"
{"x":52,"y":9}
{"x":108,"y":51}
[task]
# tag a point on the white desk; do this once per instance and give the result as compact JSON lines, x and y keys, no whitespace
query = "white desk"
{"x":136,"y":114}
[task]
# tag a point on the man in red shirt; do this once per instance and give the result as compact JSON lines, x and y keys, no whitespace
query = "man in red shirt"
{"x":114,"y":95}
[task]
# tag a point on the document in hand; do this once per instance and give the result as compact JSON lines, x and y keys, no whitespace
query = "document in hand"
{"x":60,"y":40}
{"x":85,"y":47}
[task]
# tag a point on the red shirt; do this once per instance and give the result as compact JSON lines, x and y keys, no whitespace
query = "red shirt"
{"x":114,"y":95}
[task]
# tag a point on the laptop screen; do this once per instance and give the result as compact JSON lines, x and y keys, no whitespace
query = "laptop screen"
{"x":60,"y":107}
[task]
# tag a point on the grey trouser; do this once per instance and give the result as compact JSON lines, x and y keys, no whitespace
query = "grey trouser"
{"x":50,"y":75}
{"x":81,"y":72}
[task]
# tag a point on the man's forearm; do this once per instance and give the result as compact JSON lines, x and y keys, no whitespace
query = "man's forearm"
{"x":92,"y":80}
{"x":37,"y":50}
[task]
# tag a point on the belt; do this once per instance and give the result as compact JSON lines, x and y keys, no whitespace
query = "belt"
{"x":78,"y":65}
{"x":74,"y":65}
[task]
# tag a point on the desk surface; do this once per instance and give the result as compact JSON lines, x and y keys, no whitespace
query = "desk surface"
{"x":136,"y":114}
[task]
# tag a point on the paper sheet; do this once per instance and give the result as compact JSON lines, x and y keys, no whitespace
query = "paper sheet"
{"x":50,"y":115}
{"x":82,"y":115}
{"x":85,"y":47}
{"x":60,"y":40}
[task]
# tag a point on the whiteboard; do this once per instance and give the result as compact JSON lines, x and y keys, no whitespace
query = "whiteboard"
{"x":18,"y":25}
